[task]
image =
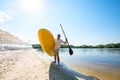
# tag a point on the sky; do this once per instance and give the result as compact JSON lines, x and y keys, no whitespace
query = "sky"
{"x":86,"y":22}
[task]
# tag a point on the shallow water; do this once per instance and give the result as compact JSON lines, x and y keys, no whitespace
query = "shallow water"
{"x":103,"y":63}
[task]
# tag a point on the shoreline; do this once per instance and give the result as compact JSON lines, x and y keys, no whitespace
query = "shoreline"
{"x":99,"y":70}
{"x":26,"y":65}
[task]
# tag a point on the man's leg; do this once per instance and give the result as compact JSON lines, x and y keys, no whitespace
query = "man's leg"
{"x":58,"y":58}
{"x":55,"y":58}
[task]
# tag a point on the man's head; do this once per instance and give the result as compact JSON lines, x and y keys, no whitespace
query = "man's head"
{"x":58,"y":36}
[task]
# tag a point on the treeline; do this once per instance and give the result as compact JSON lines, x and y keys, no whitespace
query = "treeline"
{"x":36,"y":46}
{"x":110,"y":45}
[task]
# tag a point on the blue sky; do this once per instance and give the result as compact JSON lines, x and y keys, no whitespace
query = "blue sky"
{"x":89,"y":22}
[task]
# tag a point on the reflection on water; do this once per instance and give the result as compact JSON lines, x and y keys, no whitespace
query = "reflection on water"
{"x":104,"y":60}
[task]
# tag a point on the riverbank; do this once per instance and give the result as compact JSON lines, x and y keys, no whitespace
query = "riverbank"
{"x":26,"y":65}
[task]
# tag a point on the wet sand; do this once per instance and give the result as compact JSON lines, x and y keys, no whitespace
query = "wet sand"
{"x":26,"y":65}
{"x":101,"y":72}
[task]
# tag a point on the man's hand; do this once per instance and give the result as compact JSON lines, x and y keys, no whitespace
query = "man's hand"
{"x":66,"y":40}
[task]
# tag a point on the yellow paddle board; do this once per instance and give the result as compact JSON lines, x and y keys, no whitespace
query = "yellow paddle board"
{"x":47,"y":41}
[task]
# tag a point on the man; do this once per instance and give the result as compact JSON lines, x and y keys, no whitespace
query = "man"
{"x":58,"y":42}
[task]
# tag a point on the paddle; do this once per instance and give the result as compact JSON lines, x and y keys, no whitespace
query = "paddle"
{"x":70,"y":50}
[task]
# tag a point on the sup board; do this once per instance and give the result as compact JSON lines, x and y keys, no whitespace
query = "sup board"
{"x":46,"y":40}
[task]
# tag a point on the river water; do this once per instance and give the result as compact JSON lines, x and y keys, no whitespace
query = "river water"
{"x":103,"y":63}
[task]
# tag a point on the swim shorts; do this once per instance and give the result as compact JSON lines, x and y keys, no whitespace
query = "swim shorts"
{"x":56,"y":51}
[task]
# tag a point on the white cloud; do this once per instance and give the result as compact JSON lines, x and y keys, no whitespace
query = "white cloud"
{"x":5,"y":16}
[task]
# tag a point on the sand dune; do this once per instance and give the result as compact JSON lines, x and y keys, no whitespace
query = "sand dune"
{"x":7,"y":38}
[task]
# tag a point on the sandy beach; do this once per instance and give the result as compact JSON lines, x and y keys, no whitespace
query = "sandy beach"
{"x":22,"y":65}
{"x":26,"y":65}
